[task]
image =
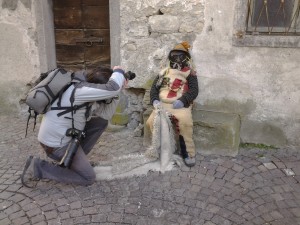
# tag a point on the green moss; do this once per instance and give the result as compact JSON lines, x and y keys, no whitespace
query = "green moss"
{"x":148,"y":84}
{"x":119,"y":109}
{"x":120,"y":119}
{"x":260,"y":155}
{"x":260,"y":146}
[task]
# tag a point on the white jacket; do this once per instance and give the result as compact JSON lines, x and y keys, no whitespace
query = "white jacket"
{"x":105,"y":110}
{"x":53,"y":128}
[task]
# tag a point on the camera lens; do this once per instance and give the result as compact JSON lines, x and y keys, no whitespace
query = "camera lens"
{"x":129,"y":75}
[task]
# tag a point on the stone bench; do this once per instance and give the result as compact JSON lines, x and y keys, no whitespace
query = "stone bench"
{"x":214,"y":132}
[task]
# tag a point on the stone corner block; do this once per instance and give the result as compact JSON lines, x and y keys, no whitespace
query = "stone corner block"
{"x":147,"y":132}
{"x":216,"y":132}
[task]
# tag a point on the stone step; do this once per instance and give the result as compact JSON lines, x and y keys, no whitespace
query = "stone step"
{"x":214,"y":132}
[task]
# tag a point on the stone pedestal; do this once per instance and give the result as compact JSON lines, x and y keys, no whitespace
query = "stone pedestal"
{"x":216,"y":132}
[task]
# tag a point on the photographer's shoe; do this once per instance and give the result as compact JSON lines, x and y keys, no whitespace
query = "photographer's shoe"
{"x":190,"y":161}
{"x":28,"y":178}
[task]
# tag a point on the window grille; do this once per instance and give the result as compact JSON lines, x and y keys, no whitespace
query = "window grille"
{"x":273,"y":17}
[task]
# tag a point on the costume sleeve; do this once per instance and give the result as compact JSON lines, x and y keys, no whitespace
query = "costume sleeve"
{"x":154,"y":91}
{"x":192,"y":93}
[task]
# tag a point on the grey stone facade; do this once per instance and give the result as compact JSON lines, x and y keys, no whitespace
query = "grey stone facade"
{"x":260,"y":84}
{"x":149,"y":29}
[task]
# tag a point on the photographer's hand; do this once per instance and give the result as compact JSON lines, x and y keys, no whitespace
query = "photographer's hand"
{"x":120,"y":69}
{"x":128,"y":75}
{"x":125,"y":85}
{"x":117,"y":68}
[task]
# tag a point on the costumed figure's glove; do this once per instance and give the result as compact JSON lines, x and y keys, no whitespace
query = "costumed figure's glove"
{"x":178,"y":104}
{"x":156,"y":103}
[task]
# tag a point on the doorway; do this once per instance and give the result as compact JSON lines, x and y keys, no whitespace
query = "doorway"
{"x":82,"y":33}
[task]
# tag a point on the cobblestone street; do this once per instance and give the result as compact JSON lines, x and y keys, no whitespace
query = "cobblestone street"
{"x":255,"y":187}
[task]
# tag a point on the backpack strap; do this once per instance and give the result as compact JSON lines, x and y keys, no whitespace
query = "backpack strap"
{"x":73,"y":81}
{"x":29,"y":116}
{"x":72,"y":99}
{"x":76,"y":79}
{"x":68,"y":109}
{"x":73,"y":108}
{"x":60,"y":94}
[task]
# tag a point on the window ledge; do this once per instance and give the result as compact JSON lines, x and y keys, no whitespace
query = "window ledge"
{"x":245,"y":40}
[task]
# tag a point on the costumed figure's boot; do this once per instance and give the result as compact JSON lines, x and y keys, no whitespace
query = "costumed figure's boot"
{"x":188,"y":160}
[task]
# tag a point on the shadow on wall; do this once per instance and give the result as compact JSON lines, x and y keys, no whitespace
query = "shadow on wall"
{"x":9,"y":92}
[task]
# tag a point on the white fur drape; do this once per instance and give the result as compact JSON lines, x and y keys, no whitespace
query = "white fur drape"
{"x":163,"y":143}
{"x":158,"y":157}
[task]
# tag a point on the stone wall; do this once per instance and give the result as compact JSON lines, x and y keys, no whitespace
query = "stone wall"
{"x":259,"y":84}
{"x":18,"y":52}
{"x":149,"y":29}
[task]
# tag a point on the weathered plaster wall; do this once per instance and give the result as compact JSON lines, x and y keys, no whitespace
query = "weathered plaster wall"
{"x":258,"y":83}
{"x":18,"y":52}
{"x":261,"y":84}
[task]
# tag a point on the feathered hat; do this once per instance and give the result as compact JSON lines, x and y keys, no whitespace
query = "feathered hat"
{"x":183,"y":46}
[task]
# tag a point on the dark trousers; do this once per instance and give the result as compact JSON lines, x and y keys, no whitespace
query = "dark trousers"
{"x":81,"y":172}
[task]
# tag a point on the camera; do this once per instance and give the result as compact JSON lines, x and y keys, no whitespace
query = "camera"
{"x":77,"y":136}
{"x":74,"y":133}
{"x":129,"y":75}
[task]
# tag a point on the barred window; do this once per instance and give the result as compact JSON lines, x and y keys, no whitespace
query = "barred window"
{"x":267,"y":23}
{"x":273,"y":17}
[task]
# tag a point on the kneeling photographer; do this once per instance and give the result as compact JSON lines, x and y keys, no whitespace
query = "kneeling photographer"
{"x":68,"y":136}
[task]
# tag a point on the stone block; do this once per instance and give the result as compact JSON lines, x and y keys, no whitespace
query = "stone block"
{"x":147,"y":132}
{"x":164,"y":23}
{"x":269,"y":132}
{"x":216,"y":132}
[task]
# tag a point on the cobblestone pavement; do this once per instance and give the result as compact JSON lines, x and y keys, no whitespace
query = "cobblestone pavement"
{"x":256,"y":187}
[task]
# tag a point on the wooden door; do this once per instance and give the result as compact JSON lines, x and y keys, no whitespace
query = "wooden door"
{"x":81,"y":33}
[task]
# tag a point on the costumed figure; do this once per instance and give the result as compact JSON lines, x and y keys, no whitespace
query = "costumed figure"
{"x":175,"y":89}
